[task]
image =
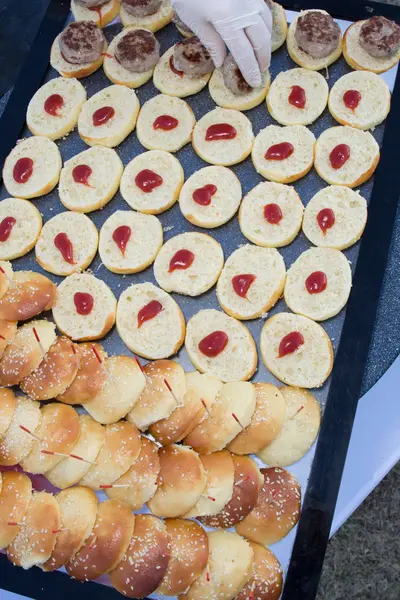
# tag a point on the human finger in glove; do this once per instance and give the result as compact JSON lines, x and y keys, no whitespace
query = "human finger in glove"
{"x":244,"y":26}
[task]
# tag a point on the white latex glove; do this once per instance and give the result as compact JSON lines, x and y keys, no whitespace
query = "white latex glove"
{"x":245,"y":26}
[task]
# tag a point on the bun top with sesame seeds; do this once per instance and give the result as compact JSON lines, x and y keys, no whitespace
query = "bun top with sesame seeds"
{"x":182,"y":480}
{"x":141,"y":570}
{"x":189,"y":556}
{"x":277,"y":510}
{"x":30,"y":294}
{"x":247,"y":483}
{"x":106,"y":545}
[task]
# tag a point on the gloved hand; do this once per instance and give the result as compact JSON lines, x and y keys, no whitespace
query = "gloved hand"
{"x":245,"y":26}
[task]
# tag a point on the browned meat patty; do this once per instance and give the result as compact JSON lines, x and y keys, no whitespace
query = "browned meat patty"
{"x":233,"y":78}
{"x":191,"y":57}
{"x":182,"y":26}
{"x":91,"y":3}
{"x":380,"y":37}
{"x":138,"y":51}
{"x":317,"y":34}
{"x":82,"y":42}
{"x":141,"y":8}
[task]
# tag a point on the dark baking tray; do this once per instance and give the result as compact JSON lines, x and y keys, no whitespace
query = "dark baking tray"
{"x":352,"y":327}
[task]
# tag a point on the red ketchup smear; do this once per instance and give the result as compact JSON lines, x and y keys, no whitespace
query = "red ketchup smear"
{"x":23,"y":170}
{"x":149,"y":311}
{"x":98,"y":10}
{"x":81,"y":174}
{"x":147,"y":180}
{"x":339,"y":156}
{"x":273,"y":214}
{"x":241,"y":284}
{"x":220,"y":131}
{"x":203,"y":195}
{"x":64,"y":245}
{"x":53,"y":105}
{"x":316,"y":282}
{"x":290,"y":343}
{"x":213,"y":344}
{"x":181,"y":260}
{"x":325,"y":219}
{"x":5,"y":228}
{"x":351,"y":99}
{"x":166,"y":123}
{"x":121,"y":237}
{"x":279,"y":151}
{"x":101,"y":116}
{"x":297,"y":96}
{"x":83,"y":303}
{"x":173,"y":68}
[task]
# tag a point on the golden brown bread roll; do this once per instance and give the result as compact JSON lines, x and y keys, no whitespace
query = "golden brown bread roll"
{"x":146,"y":560}
{"x":71,"y":470}
{"x":8,"y":329}
{"x":15,"y":496}
{"x":90,"y":378}
{"x":266,"y":579}
{"x":121,"y":390}
{"x":58,"y":431}
{"x":16,"y":444}
{"x":220,"y":426}
{"x":54,"y":374}
{"x":156,"y":401}
{"x":7,"y":407}
{"x":31,"y":294}
{"x":78,"y":509}
{"x":219,"y":485}
{"x":228,"y":570}
{"x":141,"y":479}
{"x":181,"y":482}
{"x":189,"y":556}
{"x":36,"y":538}
{"x":182,"y":421}
{"x":118,"y":452}
{"x":26,"y":353}
{"x":277,"y":510}
{"x":106,"y":545}
{"x":266,"y":422}
{"x":247,"y":483}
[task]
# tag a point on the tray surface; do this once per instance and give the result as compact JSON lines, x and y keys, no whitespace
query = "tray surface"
{"x":228,"y":235}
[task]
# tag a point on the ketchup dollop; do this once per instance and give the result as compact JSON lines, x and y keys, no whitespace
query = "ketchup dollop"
{"x":203,"y":195}
{"x":147,"y":180}
{"x":351,"y":99}
{"x":241,"y":284}
{"x":290,"y":343}
{"x":181,"y":260}
{"x":101,"y":116}
{"x":213,"y":344}
{"x":121,"y":237}
{"x":297,"y":96}
{"x":64,"y":245}
{"x":81,"y":174}
{"x":149,"y":311}
{"x":316,"y":282}
{"x":166,"y":123}
{"x":5,"y":228}
{"x":220,"y":131}
{"x":339,"y":156}
{"x":325,"y":219}
{"x":273,"y":214}
{"x":53,"y":105}
{"x":279,"y":151}
{"x":83,"y":303}
{"x":173,"y":68}
{"x":23,"y":170}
